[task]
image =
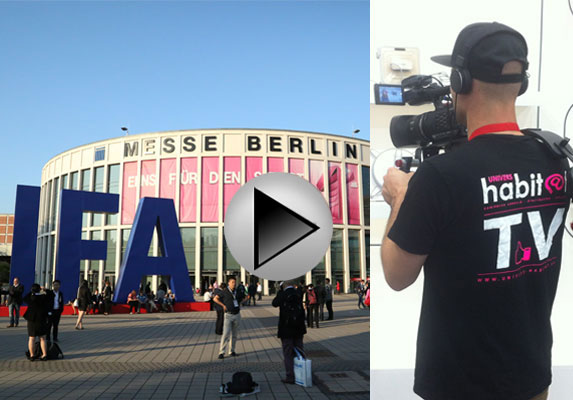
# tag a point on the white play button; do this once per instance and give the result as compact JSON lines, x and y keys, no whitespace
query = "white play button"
{"x":278,"y":226}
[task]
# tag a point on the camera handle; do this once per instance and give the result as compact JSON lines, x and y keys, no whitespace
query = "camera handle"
{"x":406,"y":163}
{"x":557,"y":145}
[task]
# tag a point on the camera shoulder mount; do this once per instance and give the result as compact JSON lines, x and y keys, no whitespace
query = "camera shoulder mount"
{"x":558,"y":146}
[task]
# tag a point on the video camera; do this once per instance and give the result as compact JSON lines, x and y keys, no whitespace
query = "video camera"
{"x":431,"y":131}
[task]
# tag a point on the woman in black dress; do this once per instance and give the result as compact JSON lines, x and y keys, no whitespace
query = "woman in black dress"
{"x":84,"y":300}
{"x":37,"y":317}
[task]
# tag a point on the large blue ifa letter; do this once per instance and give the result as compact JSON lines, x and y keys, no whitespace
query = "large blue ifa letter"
{"x":71,"y":248}
{"x":23,"y":264}
{"x":153,"y":213}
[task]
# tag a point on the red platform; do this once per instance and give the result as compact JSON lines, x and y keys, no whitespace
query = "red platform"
{"x":124,"y":308}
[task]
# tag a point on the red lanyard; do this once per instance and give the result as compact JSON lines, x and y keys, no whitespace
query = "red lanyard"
{"x":507,"y":126}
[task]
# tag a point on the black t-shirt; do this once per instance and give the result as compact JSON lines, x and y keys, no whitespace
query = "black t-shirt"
{"x":228,"y":299}
{"x":490,"y":215}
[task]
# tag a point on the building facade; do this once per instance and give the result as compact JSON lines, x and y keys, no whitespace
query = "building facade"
{"x":201,"y":170}
{"x":6,"y":235}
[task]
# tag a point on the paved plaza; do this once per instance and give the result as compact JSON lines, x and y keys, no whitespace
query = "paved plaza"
{"x":174,"y":355}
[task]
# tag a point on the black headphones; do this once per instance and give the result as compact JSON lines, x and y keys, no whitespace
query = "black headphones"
{"x":461,"y":79}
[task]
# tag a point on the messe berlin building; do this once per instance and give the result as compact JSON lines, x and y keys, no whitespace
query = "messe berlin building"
{"x":201,"y":170}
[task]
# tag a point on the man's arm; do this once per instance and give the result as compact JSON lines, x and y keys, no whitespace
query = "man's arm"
{"x":277,"y":301}
{"x":401,"y":268}
{"x":217,"y":300}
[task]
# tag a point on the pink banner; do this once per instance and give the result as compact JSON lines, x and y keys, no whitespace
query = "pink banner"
{"x":231,"y":179}
{"x":275,"y":164}
{"x":316,"y":174}
{"x":335,"y":191}
{"x":254,"y":167}
{"x":129,"y":192}
{"x":188,"y":190}
{"x":296,"y":166}
{"x":148,"y":179}
{"x":352,"y":194}
{"x":167,"y":178}
{"x":210,"y":189}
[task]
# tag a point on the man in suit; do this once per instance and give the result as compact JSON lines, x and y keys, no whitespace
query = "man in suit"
{"x":56,"y":304}
{"x":328,"y":299}
{"x":252,"y":290}
{"x":15,"y":294}
{"x":230,"y":300}
{"x":291,"y":325}
{"x":361,"y":290}
{"x":220,"y":312}
{"x":321,"y":297}
{"x":107,"y":292}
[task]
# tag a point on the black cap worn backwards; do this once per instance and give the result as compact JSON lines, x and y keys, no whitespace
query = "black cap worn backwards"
{"x":484,"y":48}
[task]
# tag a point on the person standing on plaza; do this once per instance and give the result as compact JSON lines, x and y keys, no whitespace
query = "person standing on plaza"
{"x":259,"y":291}
{"x":230,"y":300}
{"x":311,"y":302}
{"x":15,"y":293}
{"x":361,"y":289}
{"x":220,"y":312}
{"x":56,"y":303}
{"x":328,"y":299}
{"x":107,"y":292}
{"x":84,"y":299}
{"x":320,"y":294}
{"x":242,"y":290}
{"x":94,"y":301}
{"x":291,"y":325}
{"x":37,"y":317}
{"x":252,"y":293}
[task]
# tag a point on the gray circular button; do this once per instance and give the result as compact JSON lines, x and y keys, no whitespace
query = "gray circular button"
{"x":278,"y":226}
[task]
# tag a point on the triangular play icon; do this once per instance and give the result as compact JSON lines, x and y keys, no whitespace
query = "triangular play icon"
{"x":276,"y":227}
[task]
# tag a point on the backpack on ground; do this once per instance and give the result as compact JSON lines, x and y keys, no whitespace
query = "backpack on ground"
{"x":242,"y":384}
{"x":293,"y":309}
{"x":55,"y":352}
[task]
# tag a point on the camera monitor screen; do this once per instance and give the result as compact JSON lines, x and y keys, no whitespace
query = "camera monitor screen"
{"x":388,"y":94}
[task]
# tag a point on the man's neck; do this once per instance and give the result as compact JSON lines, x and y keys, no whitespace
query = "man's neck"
{"x":481,"y":116}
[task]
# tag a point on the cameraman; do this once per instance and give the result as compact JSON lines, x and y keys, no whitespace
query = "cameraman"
{"x":486,"y":221}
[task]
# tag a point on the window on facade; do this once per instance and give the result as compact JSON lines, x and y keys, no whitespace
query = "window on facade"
{"x":85,"y":186}
{"x":229,"y":262}
{"x":188,"y":239}
{"x":99,"y":154}
{"x":366,"y":194}
{"x":97,"y":187}
{"x":336,"y":251}
{"x":367,"y":249}
{"x":111,"y":238}
{"x":55,"y":197}
{"x":124,"y":239}
{"x":74,"y":181}
{"x":112,"y":187}
{"x":48,"y":198}
{"x":209,"y":247}
{"x":94,"y":264}
{"x":354,"y":253}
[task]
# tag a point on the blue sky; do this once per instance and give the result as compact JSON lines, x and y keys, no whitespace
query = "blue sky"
{"x":72,"y":73}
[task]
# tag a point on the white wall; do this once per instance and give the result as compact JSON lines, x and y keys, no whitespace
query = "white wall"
{"x":433,"y":27}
